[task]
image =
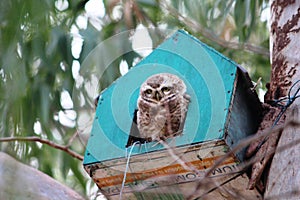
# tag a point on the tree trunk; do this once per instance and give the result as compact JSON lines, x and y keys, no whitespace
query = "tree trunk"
{"x":284,"y":176}
{"x":19,"y":181}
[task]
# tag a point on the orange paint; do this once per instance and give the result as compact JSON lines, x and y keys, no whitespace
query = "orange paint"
{"x":163,"y":171}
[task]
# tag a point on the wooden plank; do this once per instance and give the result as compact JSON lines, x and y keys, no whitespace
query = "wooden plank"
{"x":159,"y":174}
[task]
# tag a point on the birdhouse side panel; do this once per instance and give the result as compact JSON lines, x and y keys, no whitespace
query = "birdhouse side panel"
{"x":245,"y":114}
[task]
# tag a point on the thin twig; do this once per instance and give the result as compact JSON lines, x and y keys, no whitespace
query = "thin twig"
{"x":213,"y":37}
{"x":43,"y":141}
{"x":192,"y":168}
{"x":221,"y":184}
{"x":72,"y":138}
{"x":244,"y":143}
{"x":244,"y":165}
{"x":179,"y":160}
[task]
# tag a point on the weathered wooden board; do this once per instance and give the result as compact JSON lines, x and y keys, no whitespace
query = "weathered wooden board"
{"x":159,"y":174}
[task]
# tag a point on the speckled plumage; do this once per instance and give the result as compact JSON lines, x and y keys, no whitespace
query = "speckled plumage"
{"x":162,"y":107}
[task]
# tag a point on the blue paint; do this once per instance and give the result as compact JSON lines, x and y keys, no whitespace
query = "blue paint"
{"x":209,"y":77}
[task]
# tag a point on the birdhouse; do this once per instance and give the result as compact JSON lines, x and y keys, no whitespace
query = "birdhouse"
{"x":220,"y":109}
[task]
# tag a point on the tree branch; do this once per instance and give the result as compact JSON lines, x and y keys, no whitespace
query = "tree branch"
{"x":213,"y":37}
{"x":44,"y":141}
{"x":72,"y":139}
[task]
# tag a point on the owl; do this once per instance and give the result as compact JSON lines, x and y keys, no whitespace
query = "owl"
{"x":162,"y":106}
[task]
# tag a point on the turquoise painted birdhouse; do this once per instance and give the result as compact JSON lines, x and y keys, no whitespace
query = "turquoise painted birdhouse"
{"x":221,"y":110}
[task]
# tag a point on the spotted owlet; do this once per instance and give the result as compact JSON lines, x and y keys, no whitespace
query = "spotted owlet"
{"x":162,"y":107}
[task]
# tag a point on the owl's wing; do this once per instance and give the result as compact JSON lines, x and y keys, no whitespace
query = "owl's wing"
{"x":134,"y":134}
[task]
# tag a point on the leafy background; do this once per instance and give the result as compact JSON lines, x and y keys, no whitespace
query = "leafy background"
{"x":47,"y":92}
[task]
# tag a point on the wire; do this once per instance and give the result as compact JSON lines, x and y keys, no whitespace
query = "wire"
{"x":290,"y":100}
{"x":283,"y":103}
{"x":126,"y":169}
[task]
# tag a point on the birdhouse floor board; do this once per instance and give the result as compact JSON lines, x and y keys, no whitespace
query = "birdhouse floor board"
{"x":159,"y":172}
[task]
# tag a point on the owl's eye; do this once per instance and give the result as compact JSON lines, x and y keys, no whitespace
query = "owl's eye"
{"x":148,"y":92}
{"x":166,"y":90}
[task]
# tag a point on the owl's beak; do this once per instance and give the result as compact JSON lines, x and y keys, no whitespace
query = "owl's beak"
{"x":157,"y":96}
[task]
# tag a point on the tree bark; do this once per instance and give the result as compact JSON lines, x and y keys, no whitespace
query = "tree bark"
{"x":19,"y":181}
{"x":283,"y":181}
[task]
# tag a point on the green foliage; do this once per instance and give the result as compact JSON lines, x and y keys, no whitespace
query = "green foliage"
{"x":227,"y":23}
{"x":36,"y":61}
